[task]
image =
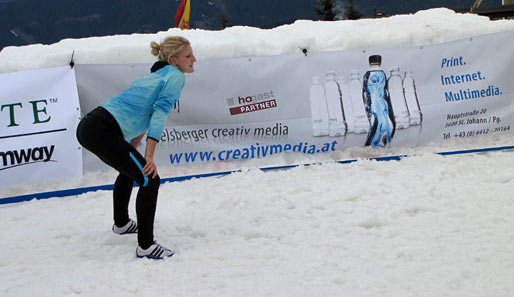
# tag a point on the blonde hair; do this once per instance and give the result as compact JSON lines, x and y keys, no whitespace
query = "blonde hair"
{"x":171,"y":47}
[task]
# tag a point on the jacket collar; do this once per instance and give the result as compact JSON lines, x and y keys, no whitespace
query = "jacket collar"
{"x":158,"y":65}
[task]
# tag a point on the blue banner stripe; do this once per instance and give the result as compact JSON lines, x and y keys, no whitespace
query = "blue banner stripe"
{"x":79,"y":191}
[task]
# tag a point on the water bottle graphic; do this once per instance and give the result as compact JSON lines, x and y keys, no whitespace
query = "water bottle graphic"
{"x":347,"y":104}
{"x":359,"y":111}
{"x":319,"y":110}
{"x":411,"y":97}
{"x":378,"y":104}
{"x":401,"y":113}
{"x":336,"y":121}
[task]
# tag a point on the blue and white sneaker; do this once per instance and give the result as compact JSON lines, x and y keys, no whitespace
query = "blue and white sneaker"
{"x":130,"y":227}
{"x":155,"y":251}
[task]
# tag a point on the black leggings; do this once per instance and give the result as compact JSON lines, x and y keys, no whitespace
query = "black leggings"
{"x":99,"y":133}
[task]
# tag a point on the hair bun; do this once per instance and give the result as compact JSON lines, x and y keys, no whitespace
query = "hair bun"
{"x":155,"y":48}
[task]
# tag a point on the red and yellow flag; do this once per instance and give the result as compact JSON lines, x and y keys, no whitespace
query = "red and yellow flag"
{"x":182,"y":17}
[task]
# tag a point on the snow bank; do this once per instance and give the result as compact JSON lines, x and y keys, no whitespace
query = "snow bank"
{"x":422,"y":28}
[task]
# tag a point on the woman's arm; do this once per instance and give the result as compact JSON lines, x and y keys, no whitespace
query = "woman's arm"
{"x":168,"y":96}
{"x":135,"y":142}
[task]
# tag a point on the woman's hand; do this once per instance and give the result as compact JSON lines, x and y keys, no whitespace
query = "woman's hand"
{"x":150,"y":169}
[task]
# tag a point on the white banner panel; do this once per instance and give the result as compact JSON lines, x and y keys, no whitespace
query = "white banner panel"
{"x":263,"y":107}
{"x":39,"y":113}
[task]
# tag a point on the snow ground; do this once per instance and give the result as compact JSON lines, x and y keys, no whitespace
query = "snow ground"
{"x":423,"y":226}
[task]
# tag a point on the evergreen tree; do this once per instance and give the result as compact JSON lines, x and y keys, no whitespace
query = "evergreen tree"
{"x":326,"y":9}
{"x":224,"y":21}
{"x":351,"y":12}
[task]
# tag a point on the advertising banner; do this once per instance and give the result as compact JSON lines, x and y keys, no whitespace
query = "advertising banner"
{"x":244,"y":110}
{"x":39,"y":112}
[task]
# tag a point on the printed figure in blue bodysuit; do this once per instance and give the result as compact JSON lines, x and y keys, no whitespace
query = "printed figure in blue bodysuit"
{"x":378,"y":105}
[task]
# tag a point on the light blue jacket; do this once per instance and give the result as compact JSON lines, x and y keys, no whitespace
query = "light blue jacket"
{"x":145,"y":105}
